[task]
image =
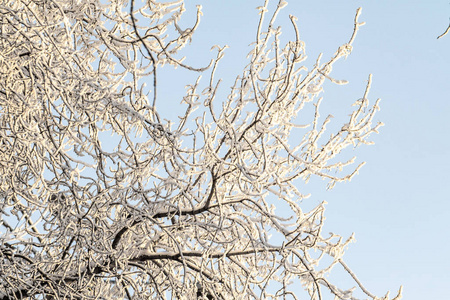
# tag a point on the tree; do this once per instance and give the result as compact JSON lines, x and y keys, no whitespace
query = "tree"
{"x":102,"y":198}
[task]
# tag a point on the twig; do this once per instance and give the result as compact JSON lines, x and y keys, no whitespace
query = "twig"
{"x":356,"y":279}
{"x":446,"y":31}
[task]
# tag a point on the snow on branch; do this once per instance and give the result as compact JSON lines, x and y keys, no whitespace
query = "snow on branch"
{"x":102,"y":198}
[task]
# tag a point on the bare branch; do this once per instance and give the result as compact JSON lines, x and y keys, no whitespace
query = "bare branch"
{"x":445,"y":32}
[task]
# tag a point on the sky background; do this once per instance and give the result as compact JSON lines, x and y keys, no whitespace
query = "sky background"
{"x":398,"y":205}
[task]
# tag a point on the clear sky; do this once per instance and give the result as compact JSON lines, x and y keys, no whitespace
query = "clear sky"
{"x":398,"y":206}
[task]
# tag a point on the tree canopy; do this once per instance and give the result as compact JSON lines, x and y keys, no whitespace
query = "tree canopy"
{"x":101,"y":198}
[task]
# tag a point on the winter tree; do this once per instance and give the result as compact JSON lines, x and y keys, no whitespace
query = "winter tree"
{"x":102,"y":198}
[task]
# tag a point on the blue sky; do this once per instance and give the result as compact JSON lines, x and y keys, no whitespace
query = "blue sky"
{"x":398,"y":205}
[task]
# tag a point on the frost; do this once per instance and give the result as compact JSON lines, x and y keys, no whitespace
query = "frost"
{"x":101,"y":196}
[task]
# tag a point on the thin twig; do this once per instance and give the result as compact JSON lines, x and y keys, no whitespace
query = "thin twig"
{"x":445,"y":32}
{"x":356,"y":279}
